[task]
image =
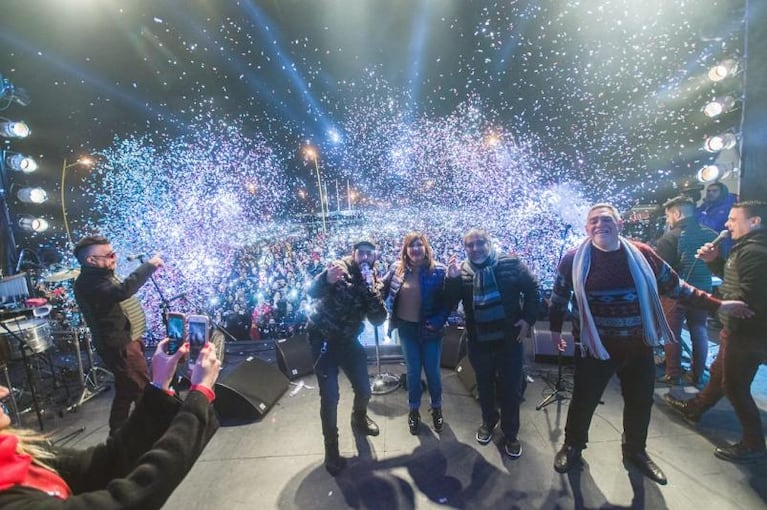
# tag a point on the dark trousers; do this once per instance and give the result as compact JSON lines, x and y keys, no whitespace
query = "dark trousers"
{"x":498,"y":365}
{"x":732,"y":373}
{"x":129,"y":367}
{"x":636,"y":371}
{"x":349,"y":356}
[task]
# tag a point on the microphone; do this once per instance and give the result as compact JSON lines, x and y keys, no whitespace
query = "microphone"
{"x":724,"y":234}
{"x":138,"y":256}
{"x":367,"y":274}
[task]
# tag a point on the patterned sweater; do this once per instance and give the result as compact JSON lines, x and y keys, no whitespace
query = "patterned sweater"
{"x":612,"y":294}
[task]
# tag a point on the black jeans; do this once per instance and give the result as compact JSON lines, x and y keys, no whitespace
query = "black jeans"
{"x":349,"y":355}
{"x":636,"y":372}
{"x":498,"y":365}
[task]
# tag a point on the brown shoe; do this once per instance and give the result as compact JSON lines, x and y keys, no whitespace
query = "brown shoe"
{"x":689,"y":412}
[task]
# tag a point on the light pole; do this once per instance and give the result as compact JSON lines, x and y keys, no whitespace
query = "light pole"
{"x":313,"y":154}
{"x":80,"y":161}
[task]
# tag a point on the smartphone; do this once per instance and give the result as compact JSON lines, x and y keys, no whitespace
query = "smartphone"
{"x":176,"y":331}
{"x":197,"y":328}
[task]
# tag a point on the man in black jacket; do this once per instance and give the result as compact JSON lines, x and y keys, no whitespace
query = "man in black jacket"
{"x":344,"y":294}
{"x":743,"y":341}
{"x":492,"y":286}
{"x":116,"y":320}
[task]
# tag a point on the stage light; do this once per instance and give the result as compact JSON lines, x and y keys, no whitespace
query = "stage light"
{"x":31,"y":224}
{"x":13,"y":129}
{"x":719,"y":106}
{"x":720,"y":142}
{"x":723,"y":69}
{"x":21,"y":163}
{"x":712,"y":172}
{"x":32,"y":195}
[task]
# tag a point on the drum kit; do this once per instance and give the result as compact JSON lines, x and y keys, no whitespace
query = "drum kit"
{"x":45,"y":338}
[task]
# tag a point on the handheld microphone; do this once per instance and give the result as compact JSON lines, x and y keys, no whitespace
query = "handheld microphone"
{"x":367,"y":274}
{"x":724,"y":234}
{"x":138,"y":256}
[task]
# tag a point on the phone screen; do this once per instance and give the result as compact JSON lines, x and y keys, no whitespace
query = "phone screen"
{"x":198,"y":333}
{"x":175,"y":332}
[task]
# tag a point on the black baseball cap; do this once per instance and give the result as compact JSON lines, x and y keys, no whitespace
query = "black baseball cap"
{"x":364,"y":242}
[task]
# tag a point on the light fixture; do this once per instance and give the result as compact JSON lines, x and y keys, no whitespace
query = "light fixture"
{"x":21,"y":163}
{"x":719,"y":106}
{"x":32,"y":195}
{"x":713,"y":172}
{"x":31,"y":224}
{"x":723,"y":69}
{"x":720,"y":142}
{"x":13,"y":129}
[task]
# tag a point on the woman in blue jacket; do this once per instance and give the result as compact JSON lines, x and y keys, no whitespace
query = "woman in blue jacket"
{"x":415,"y":293}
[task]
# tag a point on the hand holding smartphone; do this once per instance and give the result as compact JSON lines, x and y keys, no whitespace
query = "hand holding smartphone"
{"x":198,"y":327}
{"x":176,"y":331}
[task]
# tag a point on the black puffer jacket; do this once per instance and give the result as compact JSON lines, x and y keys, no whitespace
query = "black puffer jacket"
{"x":519,"y":294}
{"x":745,"y":278}
{"x":341,"y":308}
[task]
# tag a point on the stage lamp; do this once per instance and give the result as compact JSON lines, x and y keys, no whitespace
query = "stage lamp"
{"x":21,"y":163}
{"x":720,"y":142}
{"x":32,"y":195}
{"x":712,"y":172}
{"x":719,"y":106}
{"x":723,"y":69}
{"x":12,"y":129}
{"x":31,"y":224}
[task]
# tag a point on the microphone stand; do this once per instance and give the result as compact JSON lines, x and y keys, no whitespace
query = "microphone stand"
{"x":558,"y":395}
{"x":164,"y":302}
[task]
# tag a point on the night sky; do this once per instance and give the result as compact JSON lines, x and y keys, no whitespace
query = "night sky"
{"x":433,"y":101}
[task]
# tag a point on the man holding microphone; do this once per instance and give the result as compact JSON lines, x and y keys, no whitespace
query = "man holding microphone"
{"x":743,"y":340}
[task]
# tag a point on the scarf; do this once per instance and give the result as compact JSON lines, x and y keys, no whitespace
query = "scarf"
{"x":656,"y":329}
{"x":488,"y":308}
{"x":18,"y":469}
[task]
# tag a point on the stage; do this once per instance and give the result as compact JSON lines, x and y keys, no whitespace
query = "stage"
{"x":277,"y":462}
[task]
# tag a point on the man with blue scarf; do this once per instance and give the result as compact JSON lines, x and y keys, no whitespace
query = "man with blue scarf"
{"x":500,"y":301}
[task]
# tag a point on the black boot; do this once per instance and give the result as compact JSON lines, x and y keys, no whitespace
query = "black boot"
{"x":334,"y":463}
{"x":362,"y":424}
{"x":414,"y":421}
{"x":436,"y":417}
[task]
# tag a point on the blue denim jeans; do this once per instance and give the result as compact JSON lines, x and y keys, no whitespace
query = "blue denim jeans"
{"x":349,"y":356}
{"x":677,"y":314}
{"x":420,"y":355}
{"x":498,"y":365}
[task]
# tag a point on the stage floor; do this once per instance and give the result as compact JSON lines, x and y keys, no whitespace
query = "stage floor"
{"x":277,"y":461}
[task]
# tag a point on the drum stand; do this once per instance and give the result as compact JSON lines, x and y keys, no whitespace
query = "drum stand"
{"x":29,"y":375}
{"x":96,"y":380}
{"x":14,"y":404}
{"x":383,"y":382}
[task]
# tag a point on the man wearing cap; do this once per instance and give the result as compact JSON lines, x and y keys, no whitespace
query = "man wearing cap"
{"x":344,"y":294}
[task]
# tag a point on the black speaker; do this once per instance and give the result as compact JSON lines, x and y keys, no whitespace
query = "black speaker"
{"x":249,"y":390}
{"x":544,"y":350}
{"x":453,"y":346}
{"x":467,"y":376}
{"x":294,"y":356}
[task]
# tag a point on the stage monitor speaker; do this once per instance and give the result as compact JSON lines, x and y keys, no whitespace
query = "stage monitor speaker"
{"x":294,"y":356}
{"x":249,"y":390}
{"x":453,"y":346}
{"x":544,"y":350}
{"x":467,"y":376}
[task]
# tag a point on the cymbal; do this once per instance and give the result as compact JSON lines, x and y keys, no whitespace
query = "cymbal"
{"x":61,"y":276}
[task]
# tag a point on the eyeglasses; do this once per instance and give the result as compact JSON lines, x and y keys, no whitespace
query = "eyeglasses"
{"x":479,"y":243}
{"x":110,"y":255}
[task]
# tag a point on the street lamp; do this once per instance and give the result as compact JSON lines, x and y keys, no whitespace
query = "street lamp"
{"x":85,"y":161}
{"x":311,"y":153}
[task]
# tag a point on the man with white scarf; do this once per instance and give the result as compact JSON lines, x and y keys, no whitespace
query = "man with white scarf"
{"x":617,"y":320}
